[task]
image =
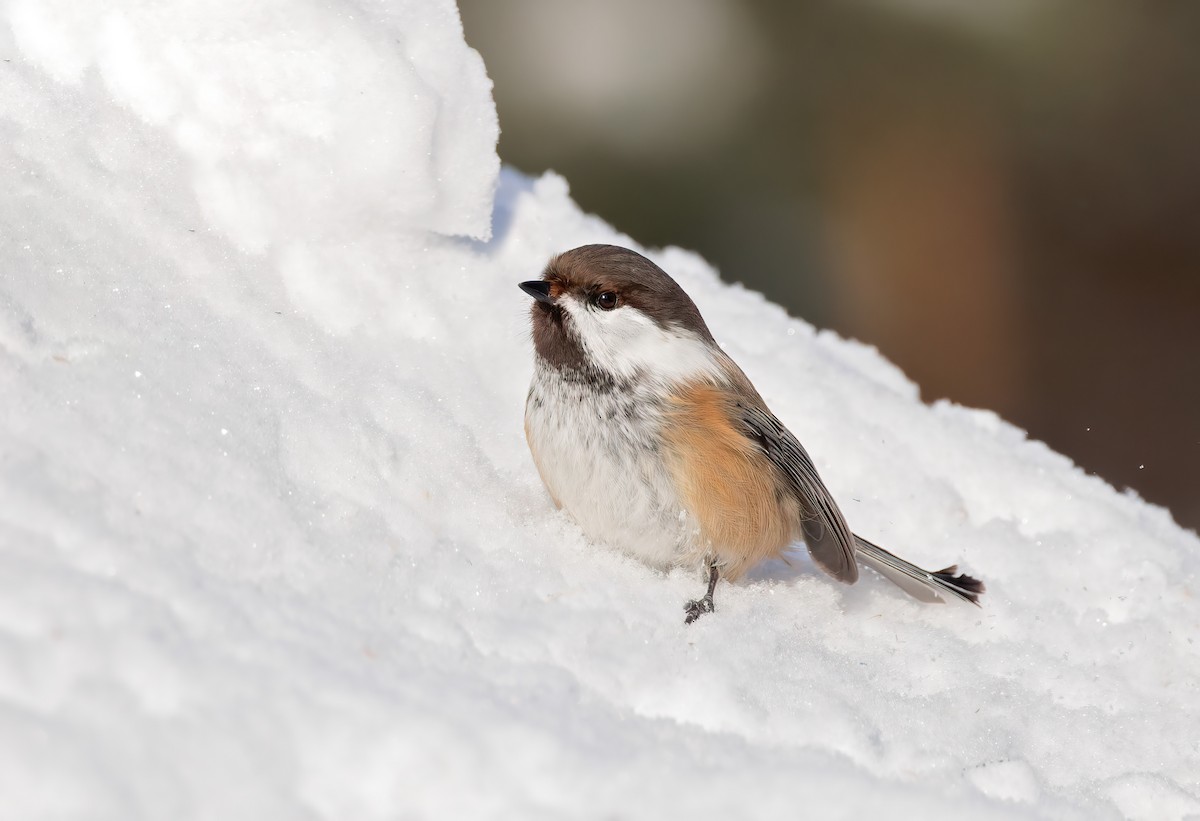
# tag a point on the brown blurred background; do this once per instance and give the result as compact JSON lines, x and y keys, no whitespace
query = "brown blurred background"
{"x":1004,"y":197}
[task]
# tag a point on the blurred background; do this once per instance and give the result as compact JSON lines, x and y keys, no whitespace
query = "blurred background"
{"x":1004,"y":197}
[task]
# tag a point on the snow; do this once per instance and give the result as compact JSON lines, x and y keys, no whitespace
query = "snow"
{"x":271,"y":545}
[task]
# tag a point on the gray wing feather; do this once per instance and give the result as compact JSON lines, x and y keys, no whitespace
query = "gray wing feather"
{"x":826,"y":533}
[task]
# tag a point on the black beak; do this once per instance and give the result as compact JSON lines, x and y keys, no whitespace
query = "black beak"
{"x":539,"y":290}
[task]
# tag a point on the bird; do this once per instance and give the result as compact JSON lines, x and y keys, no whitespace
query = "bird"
{"x":656,"y":443}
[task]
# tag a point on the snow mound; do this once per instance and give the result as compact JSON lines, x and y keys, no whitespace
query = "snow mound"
{"x":271,"y":545}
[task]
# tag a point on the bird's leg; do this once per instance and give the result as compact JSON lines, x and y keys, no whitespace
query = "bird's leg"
{"x":695,"y":609}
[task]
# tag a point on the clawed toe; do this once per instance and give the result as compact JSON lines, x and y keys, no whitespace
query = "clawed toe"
{"x":694,"y":609}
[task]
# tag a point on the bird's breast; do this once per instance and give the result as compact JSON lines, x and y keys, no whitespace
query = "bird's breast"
{"x":598,"y":446}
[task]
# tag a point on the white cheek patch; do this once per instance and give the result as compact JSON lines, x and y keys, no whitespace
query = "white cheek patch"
{"x":625,"y":342}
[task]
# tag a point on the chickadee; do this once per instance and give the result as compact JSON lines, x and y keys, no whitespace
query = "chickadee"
{"x":656,"y":442}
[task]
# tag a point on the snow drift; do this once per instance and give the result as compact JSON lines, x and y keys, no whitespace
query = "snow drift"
{"x":271,"y":545}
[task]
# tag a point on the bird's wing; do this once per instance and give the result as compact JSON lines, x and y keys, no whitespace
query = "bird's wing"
{"x":826,"y":533}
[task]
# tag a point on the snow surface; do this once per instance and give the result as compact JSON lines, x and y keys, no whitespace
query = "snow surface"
{"x":271,"y":545}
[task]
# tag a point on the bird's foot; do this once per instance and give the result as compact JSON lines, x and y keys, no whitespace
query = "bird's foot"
{"x":695,"y":609}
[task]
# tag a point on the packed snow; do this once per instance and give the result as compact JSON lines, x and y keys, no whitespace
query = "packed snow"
{"x":272,"y":546}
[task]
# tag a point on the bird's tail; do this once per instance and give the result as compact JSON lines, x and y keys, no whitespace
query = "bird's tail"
{"x":925,"y":585}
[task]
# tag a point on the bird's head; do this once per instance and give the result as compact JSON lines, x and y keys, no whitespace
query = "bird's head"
{"x":610,"y":309}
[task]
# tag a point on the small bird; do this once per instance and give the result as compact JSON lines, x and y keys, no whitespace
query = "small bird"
{"x":655,"y":442}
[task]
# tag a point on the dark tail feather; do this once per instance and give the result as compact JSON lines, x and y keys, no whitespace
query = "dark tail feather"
{"x":921,"y":584}
{"x":970,"y":586}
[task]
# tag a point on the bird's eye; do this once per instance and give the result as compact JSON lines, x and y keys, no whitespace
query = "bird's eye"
{"x":607,"y":300}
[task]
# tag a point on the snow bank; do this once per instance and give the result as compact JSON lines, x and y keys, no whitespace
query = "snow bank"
{"x":271,"y":545}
